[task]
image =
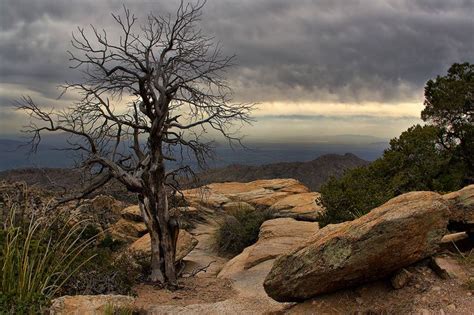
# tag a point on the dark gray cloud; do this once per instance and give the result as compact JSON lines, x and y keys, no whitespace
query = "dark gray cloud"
{"x":327,"y":50}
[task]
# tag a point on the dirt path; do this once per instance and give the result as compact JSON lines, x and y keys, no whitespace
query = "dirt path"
{"x":204,"y":254}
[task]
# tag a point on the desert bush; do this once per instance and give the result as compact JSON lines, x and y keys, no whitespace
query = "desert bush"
{"x":107,"y":272}
{"x":240,"y":229}
{"x":38,"y":255}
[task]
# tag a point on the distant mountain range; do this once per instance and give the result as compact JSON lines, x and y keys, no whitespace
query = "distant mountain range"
{"x":312,"y":173}
{"x":13,"y":155}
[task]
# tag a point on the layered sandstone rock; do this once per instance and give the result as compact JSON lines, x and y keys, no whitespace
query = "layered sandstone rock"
{"x":287,"y":197}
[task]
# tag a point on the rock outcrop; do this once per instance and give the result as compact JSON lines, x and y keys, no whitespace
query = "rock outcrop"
{"x":88,"y":304}
{"x":287,"y":197}
{"x":186,"y":243}
{"x":403,"y":231}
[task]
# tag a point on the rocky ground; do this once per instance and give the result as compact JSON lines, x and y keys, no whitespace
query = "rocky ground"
{"x":395,"y":260}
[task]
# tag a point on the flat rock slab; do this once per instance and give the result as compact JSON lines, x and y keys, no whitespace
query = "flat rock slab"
{"x":448,"y":268}
{"x":399,"y":233}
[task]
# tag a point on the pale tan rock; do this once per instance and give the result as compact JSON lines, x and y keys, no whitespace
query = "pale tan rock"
{"x":88,"y":304}
{"x":448,"y":268}
{"x":102,"y":202}
{"x":206,"y":197}
{"x":132,"y":213}
{"x":236,"y":264}
{"x":267,"y":199}
{"x":399,"y":233}
{"x":286,"y":227}
{"x":454,"y":237}
{"x":186,"y":243}
{"x":127,"y":230}
{"x":302,"y":206}
{"x":237,"y":205}
{"x":462,"y":204}
{"x":257,"y":193}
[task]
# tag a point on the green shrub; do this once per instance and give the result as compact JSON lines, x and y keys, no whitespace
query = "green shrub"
{"x":352,"y":196}
{"x":414,"y":162}
{"x":240,"y":229}
{"x":38,"y":255}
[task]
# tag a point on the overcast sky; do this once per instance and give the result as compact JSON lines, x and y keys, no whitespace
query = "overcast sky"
{"x":315,"y":67}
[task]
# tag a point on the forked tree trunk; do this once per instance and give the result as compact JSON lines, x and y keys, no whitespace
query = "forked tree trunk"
{"x":163,"y":232}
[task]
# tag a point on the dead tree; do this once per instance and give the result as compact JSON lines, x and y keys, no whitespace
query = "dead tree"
{"x":148,"y":96}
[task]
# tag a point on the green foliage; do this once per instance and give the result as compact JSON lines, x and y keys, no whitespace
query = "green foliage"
{"x":438,"y":157}
{"x":414,"y":161}
{"x":37,"y":257}
{"x":240,"y":229}
{"x":353,"y":195}
{"x":449,"y":104}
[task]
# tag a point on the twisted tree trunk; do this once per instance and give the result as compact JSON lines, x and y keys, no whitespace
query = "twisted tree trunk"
{"x":162,"y":227}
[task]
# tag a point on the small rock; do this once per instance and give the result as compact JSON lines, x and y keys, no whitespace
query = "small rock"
{"x":448,"y":268}
{"x":132,"y":213}
{"x":127,"y":230}
{"x":401,"y":278}
{"x":451,"y":307}
{"x":423,"y":311}
{"x":359,"y":300}
{"x":436,"y":289}
{"x":441,"y":312}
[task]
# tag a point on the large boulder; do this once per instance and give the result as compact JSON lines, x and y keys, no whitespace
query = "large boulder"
{"x":186,"y":243}
{"x":89,"y":304}
{"x":403,"y":231}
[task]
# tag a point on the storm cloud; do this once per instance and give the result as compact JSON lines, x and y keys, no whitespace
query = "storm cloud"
{"x":301,"y":51}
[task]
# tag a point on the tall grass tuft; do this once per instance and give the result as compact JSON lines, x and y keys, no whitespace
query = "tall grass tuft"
{"x":38,"y":255}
